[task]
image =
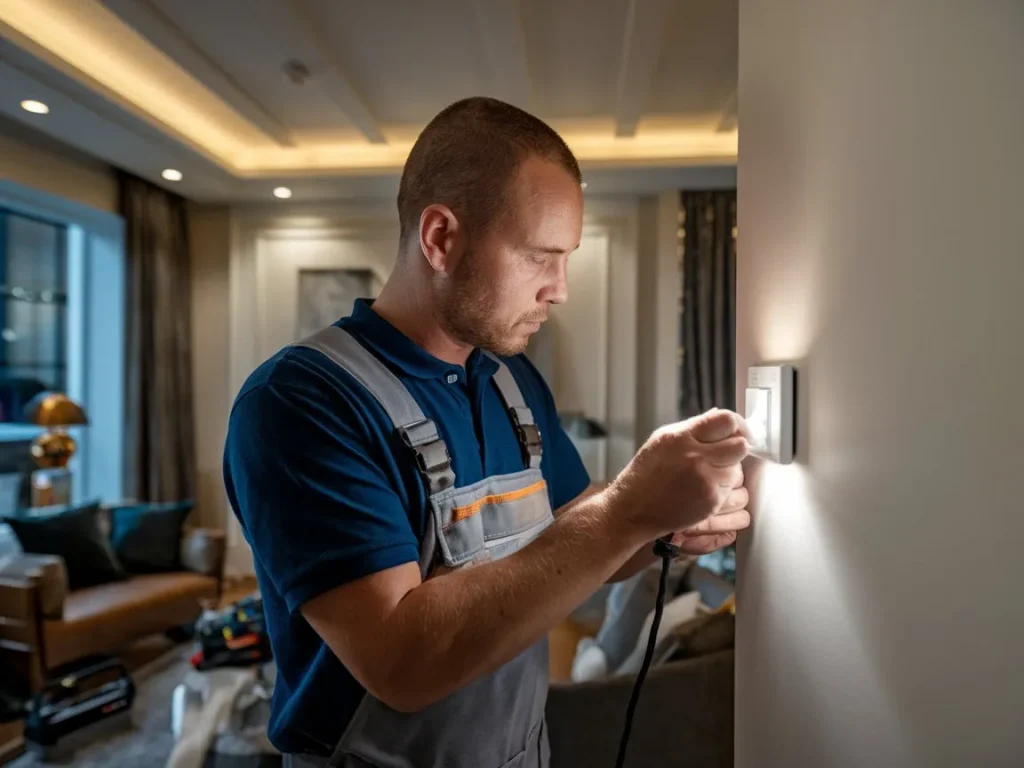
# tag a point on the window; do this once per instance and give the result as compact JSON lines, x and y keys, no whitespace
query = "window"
{"x":33,"y":311}
{"x":62,"y":289}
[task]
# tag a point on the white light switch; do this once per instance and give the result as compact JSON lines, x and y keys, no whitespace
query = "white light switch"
{"x":759,"y":418}
{"x":769,"y":411}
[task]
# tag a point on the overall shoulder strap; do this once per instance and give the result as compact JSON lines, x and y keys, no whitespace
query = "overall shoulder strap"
{"x":416,"y":431}
{"x":522,"y":417}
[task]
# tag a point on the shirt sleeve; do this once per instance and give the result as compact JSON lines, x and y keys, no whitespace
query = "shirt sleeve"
{"x":316,"y":508}
{"x":563,"y":469}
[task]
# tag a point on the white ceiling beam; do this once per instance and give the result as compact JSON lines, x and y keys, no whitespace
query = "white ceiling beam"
{"x":729,"y":119}
{"x":643,"y":33}
{"x":163,"y":33}
{"x":336,"y":84}
{"x":500,"y":27}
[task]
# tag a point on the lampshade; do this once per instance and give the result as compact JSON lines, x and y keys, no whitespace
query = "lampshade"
{"x":54,"y":409}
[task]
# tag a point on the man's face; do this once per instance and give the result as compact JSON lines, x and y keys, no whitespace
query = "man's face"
{"x":503,"y":286}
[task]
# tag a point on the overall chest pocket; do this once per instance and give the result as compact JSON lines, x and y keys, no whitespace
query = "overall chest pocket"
{"x":490,"y":519}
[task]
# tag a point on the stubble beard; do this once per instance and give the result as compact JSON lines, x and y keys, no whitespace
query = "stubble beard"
{"x":466,"y":311}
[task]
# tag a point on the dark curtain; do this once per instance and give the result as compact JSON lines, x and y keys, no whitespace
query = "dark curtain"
{"x":159,"y":444}
{"x":707,"y":239}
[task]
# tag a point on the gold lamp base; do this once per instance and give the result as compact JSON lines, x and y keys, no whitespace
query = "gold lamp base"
{"x":53,"y":449}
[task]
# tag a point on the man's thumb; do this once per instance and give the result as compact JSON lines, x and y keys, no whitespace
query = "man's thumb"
{"x":715,"y":425}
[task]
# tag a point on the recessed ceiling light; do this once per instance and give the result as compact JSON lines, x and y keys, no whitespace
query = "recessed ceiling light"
{"x":171,"y":174}
{"x":35,"y":107}
{"x":583,"y":185}
{"x":283,"y":192}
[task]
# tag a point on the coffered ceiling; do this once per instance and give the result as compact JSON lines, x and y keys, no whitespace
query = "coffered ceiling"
{"x":328,"y":95}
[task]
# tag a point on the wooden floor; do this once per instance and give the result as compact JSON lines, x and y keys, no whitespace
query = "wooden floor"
{"x":236,"y":589}
{"x":10,"y":742}
{"x":562,"y":642}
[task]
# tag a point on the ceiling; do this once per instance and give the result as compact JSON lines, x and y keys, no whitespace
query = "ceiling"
{"x":327,"y":96}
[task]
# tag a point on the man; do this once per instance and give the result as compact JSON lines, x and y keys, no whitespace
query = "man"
{"x":419,"y":520}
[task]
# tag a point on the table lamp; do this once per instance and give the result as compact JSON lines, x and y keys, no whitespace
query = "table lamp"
{"x":54,"y":447}
{"x":54,"y":411}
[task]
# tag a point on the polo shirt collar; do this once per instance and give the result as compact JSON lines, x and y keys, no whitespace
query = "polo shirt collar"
{"x":409,"y":357}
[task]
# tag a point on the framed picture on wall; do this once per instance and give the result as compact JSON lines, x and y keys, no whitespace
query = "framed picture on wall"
{"x":328,"y":294}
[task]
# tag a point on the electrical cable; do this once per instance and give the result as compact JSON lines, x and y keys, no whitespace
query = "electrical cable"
{"x":667,"y":551}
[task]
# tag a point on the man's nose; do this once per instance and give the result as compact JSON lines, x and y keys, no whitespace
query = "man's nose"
{"x":557,"y":290}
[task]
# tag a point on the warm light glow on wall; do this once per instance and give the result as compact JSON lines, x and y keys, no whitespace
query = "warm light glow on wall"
{"x":786,"y":305}
{"x":812,"y":606}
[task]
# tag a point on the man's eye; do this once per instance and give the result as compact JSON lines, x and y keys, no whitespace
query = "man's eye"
{"x":538,"y":258}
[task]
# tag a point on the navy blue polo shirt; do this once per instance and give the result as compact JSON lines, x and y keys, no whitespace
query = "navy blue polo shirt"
{"x":326,"y":493}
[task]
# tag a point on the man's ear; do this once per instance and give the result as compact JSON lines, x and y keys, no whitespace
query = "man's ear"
{"x":440,"y":235}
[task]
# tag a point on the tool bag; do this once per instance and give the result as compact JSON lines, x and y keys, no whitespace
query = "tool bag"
{"x":78,"y":699}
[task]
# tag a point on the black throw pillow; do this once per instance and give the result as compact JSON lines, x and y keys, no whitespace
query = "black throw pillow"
{"x":78,"y":535}
{"x":147,"y":537}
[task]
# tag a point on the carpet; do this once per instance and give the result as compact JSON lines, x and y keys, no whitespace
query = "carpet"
{"x":146,"y":740}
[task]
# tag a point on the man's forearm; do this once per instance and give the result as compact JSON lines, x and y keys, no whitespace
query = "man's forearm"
{"x":641,"y":559}
{"x":459,"y":626}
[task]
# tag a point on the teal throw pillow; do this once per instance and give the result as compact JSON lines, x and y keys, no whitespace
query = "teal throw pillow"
{"x":147,"y":536}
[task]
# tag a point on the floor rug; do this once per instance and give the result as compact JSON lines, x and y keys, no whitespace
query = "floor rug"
{"x":146,"y":741}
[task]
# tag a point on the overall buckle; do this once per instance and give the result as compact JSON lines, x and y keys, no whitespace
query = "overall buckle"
{"x":432,"y":457}
{"x":530,"y":441}
{"x":529,"y":436}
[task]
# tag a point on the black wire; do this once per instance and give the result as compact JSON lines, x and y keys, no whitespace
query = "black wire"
{"x":659,"y":606}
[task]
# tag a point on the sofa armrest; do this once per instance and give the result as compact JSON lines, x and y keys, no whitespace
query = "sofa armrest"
{"x":21,"y":632}
{"x":684,"y":717}
{"x":203,"y":551}
{"x":47,"y":572}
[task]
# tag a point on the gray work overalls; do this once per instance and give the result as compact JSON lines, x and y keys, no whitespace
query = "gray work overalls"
{"x":496,"y":721}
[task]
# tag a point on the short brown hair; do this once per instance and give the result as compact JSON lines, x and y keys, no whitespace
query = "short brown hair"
{"x":466,"y":157}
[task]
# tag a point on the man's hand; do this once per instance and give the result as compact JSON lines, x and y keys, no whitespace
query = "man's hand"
{"x":721,"y":529}
{"x":721,"y":436}
{"x":683,"y":475}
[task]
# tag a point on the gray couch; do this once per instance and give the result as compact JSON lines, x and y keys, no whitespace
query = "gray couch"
{"x":684,"y":717}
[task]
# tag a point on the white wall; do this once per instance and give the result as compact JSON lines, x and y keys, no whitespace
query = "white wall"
{"x":620,"y":220}
{"x":593,"y":370}
{"x":880,"y":593}
{"x":660,"y":286}
{"x":210,"y":257}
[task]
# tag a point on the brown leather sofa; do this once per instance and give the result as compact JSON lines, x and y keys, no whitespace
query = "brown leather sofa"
{"x":41,"y":619}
